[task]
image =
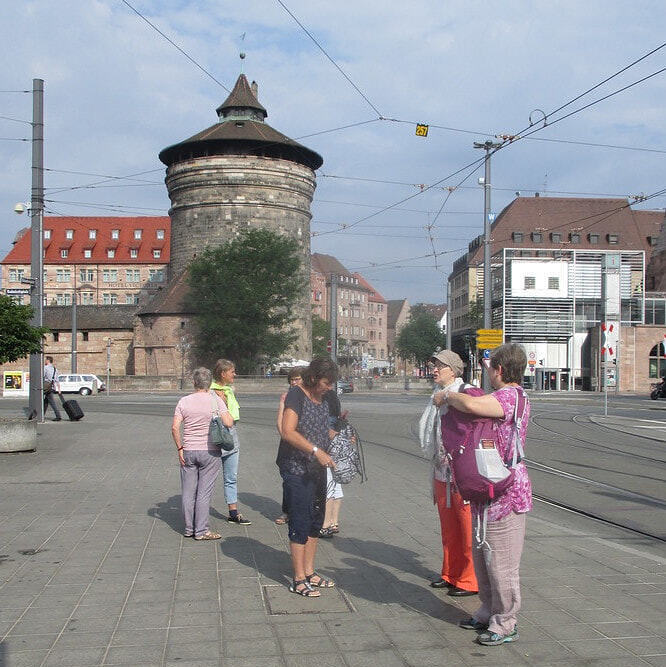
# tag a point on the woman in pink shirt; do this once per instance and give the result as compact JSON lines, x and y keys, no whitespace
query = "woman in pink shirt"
{"x":497,"y":564}
{"x":199,"y":459}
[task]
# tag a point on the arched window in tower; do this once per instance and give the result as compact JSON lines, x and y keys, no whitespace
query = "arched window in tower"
{"x":658,"y":360}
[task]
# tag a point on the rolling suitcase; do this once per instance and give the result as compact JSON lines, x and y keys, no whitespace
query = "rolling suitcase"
{"x":72,"y":408}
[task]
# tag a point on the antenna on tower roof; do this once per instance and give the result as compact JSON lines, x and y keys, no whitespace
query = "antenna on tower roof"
{"x":242,"y":53}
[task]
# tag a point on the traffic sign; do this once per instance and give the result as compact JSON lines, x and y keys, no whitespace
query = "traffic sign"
{"x":17,"y":291}
{"x":489,"y":338}
{"x":329,"y":346}
{"x":491,"y":217}
{"x":422,"y":130}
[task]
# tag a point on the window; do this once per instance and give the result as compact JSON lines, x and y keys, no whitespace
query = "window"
{"x":69,"y":233}
{"x":530,"y":282}
{"x":110,"y":275}
{"x":556,"y":237}
{"x":115,"y":233}
{"x":537,"y":237}
{"x":64,"y":252}
{"x":16,"y":275}
{"x":92,"y":233}
{"x":137,"y":233}
{"x":156,"y":275}
{"x":84,"y":336}
{"x":593,"y":238}
{"x":157,"y":254}
{"x":613,"y":239}
{"x":110,"y":253}
{"x":87,"y":298}
{"x":47,"y":233}
{"x":63,"y":275}
{"x":87,"y":254}
{"x":109,"y":299}
{"x":56,"y":336}
{"x":553,"y":282}
{"x":131,"y":299}
{"x":657,"y":361}
{"x":517,"y":237}
{"x":574,"y":237}
{"x":64,"y":299}
{"x":86,"y":275}
{"x":160,"y":233}
{"x":652,"y":240}
{"x":134,"y":253}
{"x":132,"y":276}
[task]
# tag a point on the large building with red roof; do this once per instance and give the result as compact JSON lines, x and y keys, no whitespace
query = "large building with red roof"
{"x":103,"y":260}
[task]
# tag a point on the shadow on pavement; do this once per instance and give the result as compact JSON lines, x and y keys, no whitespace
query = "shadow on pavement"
{"x":270,"y":563}
{"x":267,"y":507}
{"x":170,"y":511}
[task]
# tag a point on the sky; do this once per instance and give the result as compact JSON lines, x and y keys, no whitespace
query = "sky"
{"x":395,"y":206}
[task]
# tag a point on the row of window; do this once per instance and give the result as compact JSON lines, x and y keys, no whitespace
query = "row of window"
{"x":346,"y":295}
{"x":88,"y":275}
{"x":530,"y":282}
{"x":574,"y":237}
{"x":115,"y":234}
{"x":377,"y":337}
{"x":376,"y":307}
{"x":351,"y":331}
{"x":88,"y":299}
{"x":110,"y":253}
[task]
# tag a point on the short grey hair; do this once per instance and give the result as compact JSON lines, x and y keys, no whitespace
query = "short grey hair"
{"x":201,"y":378}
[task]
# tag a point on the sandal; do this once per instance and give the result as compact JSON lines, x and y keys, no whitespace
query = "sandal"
{"x":282,"y":519}
{"x":301,"y":587}
{"x":320,"y":583}
{"x":208,"y":536}
{"x":335,"y":529}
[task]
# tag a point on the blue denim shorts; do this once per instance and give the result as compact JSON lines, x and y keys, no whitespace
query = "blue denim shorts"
{"x":305,"y":500}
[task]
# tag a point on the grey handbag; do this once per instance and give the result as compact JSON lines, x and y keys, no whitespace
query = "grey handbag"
{"x":218,"y":433}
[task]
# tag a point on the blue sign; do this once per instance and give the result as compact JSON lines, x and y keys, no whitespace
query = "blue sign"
{"x":486,"y":354}
{"x":491,"y":217}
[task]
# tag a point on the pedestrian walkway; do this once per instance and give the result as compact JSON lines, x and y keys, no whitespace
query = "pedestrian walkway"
{"x":94,"y":569}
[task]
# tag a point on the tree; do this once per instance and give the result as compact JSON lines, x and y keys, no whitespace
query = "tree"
{"x":243,"y":294}
{"x":19,"y":338}
{"x":321,"y":331}
{"x":419,"y":338}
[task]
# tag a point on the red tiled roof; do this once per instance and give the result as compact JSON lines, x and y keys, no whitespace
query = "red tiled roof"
{"x":81,"y":226}
{"x":374,"y":295}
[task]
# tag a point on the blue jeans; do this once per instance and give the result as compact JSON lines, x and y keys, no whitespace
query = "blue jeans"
{"x":230,"y":476}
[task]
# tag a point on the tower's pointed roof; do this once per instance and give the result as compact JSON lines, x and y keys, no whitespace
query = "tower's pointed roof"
{"x":241,"y":130}
{"x":241,"y":97}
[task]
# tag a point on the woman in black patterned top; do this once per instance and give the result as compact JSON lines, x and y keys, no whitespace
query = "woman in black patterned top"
{"x":303,"y":459}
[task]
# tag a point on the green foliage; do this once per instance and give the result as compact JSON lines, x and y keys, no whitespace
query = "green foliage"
{"x":243,"y":294}
{"x":19,"y":338}
{"x":321,"y":332}
{"x":419,"y":338}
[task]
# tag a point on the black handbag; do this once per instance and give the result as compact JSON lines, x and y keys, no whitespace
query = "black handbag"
{"x":219,"y":434}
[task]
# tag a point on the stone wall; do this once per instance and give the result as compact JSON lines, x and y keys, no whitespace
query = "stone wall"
{"x":213,"y":198}
{"x":162,"y":345}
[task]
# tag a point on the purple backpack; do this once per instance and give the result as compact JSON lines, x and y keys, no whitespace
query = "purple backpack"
{"x":468,"y":439}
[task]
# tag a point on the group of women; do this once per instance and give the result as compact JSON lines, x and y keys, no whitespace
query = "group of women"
{"x":490,"y":569}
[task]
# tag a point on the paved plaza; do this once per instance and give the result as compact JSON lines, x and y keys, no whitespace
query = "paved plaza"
{"x":95,"y":571}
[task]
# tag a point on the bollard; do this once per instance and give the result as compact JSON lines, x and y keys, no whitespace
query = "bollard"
{"x":17,"y":435}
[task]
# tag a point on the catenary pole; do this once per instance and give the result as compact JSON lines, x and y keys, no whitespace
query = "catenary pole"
{"x":334,"y":317}
{"x":488,"y":146}
{"x":74,"y":332}
{"x":36,"y":396}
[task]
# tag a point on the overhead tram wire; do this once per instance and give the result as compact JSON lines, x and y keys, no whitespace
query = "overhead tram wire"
{"x":321,"y":48}
{"x":192,"y":60}
{"x":16,"y":120}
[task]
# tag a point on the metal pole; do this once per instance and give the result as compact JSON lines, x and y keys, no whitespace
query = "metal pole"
{"x":448,"y":315}
{"x":74,"y":331}
{"x":36,"y":398}
{"x":108,"y":365}
{"x":334,"y":317}
{"x":487,"y":274}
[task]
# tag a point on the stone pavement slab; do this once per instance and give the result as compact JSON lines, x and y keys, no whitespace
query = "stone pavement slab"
{"x":94,"y":569}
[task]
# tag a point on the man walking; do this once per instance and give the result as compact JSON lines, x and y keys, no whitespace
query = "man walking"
{"x":51,"y":387}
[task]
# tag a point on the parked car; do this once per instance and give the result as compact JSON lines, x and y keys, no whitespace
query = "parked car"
{"x":78,"y":384}
{"x":345,"y":386}
{"x":101,"y":385}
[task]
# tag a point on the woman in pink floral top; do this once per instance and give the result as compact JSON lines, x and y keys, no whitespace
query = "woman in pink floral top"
{"x":497,"y":565}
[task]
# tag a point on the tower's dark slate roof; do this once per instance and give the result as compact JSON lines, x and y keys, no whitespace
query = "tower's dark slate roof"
{"x":241,"y":130}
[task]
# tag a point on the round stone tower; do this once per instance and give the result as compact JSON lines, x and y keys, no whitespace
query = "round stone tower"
{"x":241,"y":173}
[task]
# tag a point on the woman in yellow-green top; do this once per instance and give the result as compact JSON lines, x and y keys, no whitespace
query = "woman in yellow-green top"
{"x":223,"y":379}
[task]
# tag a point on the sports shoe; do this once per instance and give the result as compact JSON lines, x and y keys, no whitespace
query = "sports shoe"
{"x":472,"y":624}
{"x":493,"y":639}
{"x":239,"y":520}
